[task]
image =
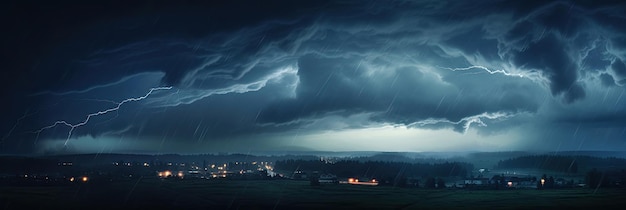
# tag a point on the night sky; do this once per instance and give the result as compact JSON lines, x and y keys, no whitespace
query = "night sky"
{"x":259,"y":76}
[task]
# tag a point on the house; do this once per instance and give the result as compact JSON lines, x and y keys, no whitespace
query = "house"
{"x":476,"y":181}
{"x":470,"y":182}
{"x":328,"y":179}
{"x":65,"y":163}
{"x":519,"y":182}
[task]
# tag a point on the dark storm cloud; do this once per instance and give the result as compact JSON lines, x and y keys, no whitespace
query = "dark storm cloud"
{"x":549,"y":55}
{"x":607,"y":80}
{"x":403,"y":95}
{"x":251,"y":68}
{"x":619,"y":70}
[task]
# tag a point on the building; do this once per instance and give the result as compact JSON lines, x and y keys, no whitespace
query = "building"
{"x":328,"y":179}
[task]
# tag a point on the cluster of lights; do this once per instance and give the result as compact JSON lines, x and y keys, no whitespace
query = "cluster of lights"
{"x":356,"y":181}
{"x":353,"y":180}
{"x":215,"y":175}
{"x":83,"y":179}
{"x":166,"y":174}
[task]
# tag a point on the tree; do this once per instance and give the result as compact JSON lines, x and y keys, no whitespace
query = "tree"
{"x":400,"y":181}
{"x":541,"y":184}
{"x":498,"y":181}
{"x":593,"y":178}
{"x":430,"y":183}
{"x":550,"y":183}
{"x":314,"y":180}
{"x":440,"y":183}
{"x":416,"y":183}
{"x":574,"y":168}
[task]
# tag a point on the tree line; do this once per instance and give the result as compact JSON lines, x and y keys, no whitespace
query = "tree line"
{"x":558,"y":163}
{"x":545,"y":162}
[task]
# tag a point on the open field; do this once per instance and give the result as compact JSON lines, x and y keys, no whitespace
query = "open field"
{"x":151,"y":193}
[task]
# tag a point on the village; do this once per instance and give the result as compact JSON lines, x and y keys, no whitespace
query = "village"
{"x":502,"y":181}
{"x":323,"y":171}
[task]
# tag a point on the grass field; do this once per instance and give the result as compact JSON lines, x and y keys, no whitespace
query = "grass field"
{"x":151,"y":193}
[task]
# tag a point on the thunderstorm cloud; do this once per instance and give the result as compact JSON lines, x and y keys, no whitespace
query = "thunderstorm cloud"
{"x":237,"y":76}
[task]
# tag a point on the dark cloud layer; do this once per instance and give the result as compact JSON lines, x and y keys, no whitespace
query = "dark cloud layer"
{"x":274,"y":70}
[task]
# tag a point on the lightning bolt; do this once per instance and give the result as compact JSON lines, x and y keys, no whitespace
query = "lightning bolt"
{"x":466,"y":121}
{"x":533,"y":75}
{"x":501,"y":71}
{"x":103,"y":112}
{"x":192,"y":95}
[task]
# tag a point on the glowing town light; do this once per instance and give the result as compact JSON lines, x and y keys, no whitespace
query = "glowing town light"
{"x":510,"y":184}
{"x":71,"y":179}
{"x":85,"y":179}
{"x":373,"y":180}
{"x":350,"y":180}
{"x":543,"y":181}
{"x":180,"y":174}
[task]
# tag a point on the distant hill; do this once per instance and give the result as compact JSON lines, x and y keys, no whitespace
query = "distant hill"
{"x":604,"y":154}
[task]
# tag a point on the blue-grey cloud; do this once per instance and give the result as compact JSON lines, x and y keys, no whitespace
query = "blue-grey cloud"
{"x":269,"y":70}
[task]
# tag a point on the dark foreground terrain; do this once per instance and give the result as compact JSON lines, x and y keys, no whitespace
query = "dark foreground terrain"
{"x":152,"y":193}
